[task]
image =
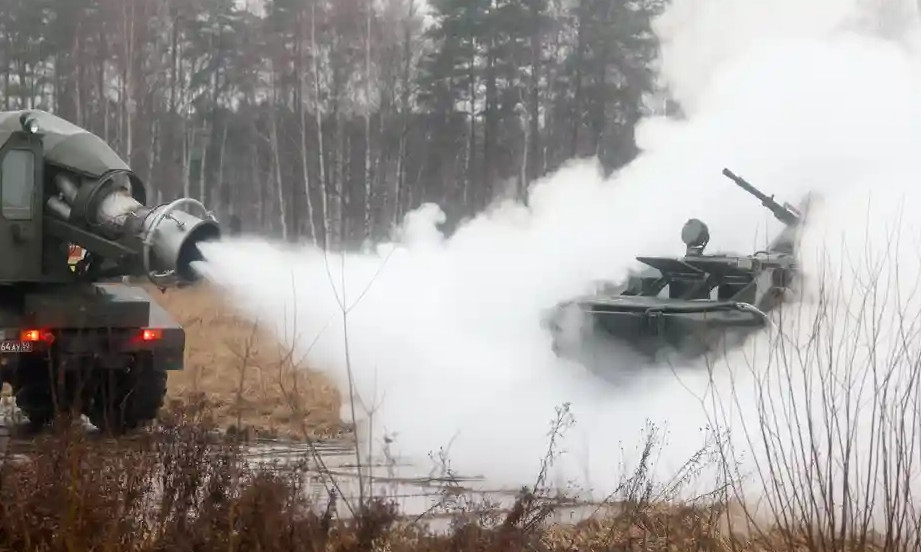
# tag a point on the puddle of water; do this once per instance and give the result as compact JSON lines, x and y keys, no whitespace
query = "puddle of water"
{"x":419,"y":493}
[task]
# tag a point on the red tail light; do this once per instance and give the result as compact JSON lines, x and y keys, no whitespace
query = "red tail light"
{"x":35,"y":336}
{"x":151,"y":334}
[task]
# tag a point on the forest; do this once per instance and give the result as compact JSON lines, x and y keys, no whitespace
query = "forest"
{"x":326,"y":121}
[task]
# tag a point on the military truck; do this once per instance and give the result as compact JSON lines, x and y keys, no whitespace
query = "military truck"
{"x":74,"y":227}
{"x":681,"y":308}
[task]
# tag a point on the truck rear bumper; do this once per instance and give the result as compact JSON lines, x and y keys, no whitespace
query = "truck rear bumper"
{"x":105,"y":345}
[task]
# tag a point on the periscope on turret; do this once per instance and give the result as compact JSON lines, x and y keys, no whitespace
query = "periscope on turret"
{"x":74,"y":221}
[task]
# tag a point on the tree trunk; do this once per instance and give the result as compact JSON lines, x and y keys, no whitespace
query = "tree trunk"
{"x":152,"y":155}
{"x":576,"y":111}
{"x":302,"y":120}
{"x":339,"y":208}
{"x":187,"y":145}
{"x":533,"y":145}
{"x":318,"y":111}
{"x":279,"y":188}
{"x":7,"y":74}
{"x":305,"y":169}
{"x":128,"y":76}
{"x":225,"y":205}
{"x":369,"y":6}
{"x":254,"y":165}
{"x":400,"y":183}
{"x":471,"y":138}
{"x":202,"y":174}
{"x":489,"y":125}
{"x":526,"y":147}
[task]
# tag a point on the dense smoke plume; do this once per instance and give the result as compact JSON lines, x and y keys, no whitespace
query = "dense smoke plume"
{"x":443,"y":333}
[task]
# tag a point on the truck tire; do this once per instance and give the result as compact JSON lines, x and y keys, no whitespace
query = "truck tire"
{"x":39,"y":393}
{"x":124,"y":400}
{"x":34,"y":397}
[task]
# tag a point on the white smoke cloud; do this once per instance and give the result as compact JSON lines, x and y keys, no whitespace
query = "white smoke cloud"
{"x":446,"y":335}
{"x":699,"y":37}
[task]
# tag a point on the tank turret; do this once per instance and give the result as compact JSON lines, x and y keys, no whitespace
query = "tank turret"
{"x":687,"y":306}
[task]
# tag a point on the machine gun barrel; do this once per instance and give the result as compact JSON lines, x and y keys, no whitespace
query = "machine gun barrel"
{"x":783,"y":213}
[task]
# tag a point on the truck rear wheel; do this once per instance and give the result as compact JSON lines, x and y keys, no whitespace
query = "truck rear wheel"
{"x":34,"y":394}
{"x":41,"y":392}
{"x":123,"y":400}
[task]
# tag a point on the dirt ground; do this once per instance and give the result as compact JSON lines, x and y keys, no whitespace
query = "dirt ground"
{"x":242,"y":371}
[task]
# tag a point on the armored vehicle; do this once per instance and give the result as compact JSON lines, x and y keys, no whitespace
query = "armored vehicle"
{"x":74,"y":227}
{"x":681,"y":308}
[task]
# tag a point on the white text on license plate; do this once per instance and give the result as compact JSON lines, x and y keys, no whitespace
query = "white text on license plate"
{"x":15,"y":346}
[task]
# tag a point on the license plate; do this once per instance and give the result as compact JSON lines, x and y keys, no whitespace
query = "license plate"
{"x":15,"y":346}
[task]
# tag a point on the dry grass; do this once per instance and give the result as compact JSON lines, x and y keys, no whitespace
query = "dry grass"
{"x":239,"y":368}
{"x":178,"y":487}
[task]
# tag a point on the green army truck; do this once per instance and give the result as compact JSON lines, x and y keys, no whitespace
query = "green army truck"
{"x":75,"y":336}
